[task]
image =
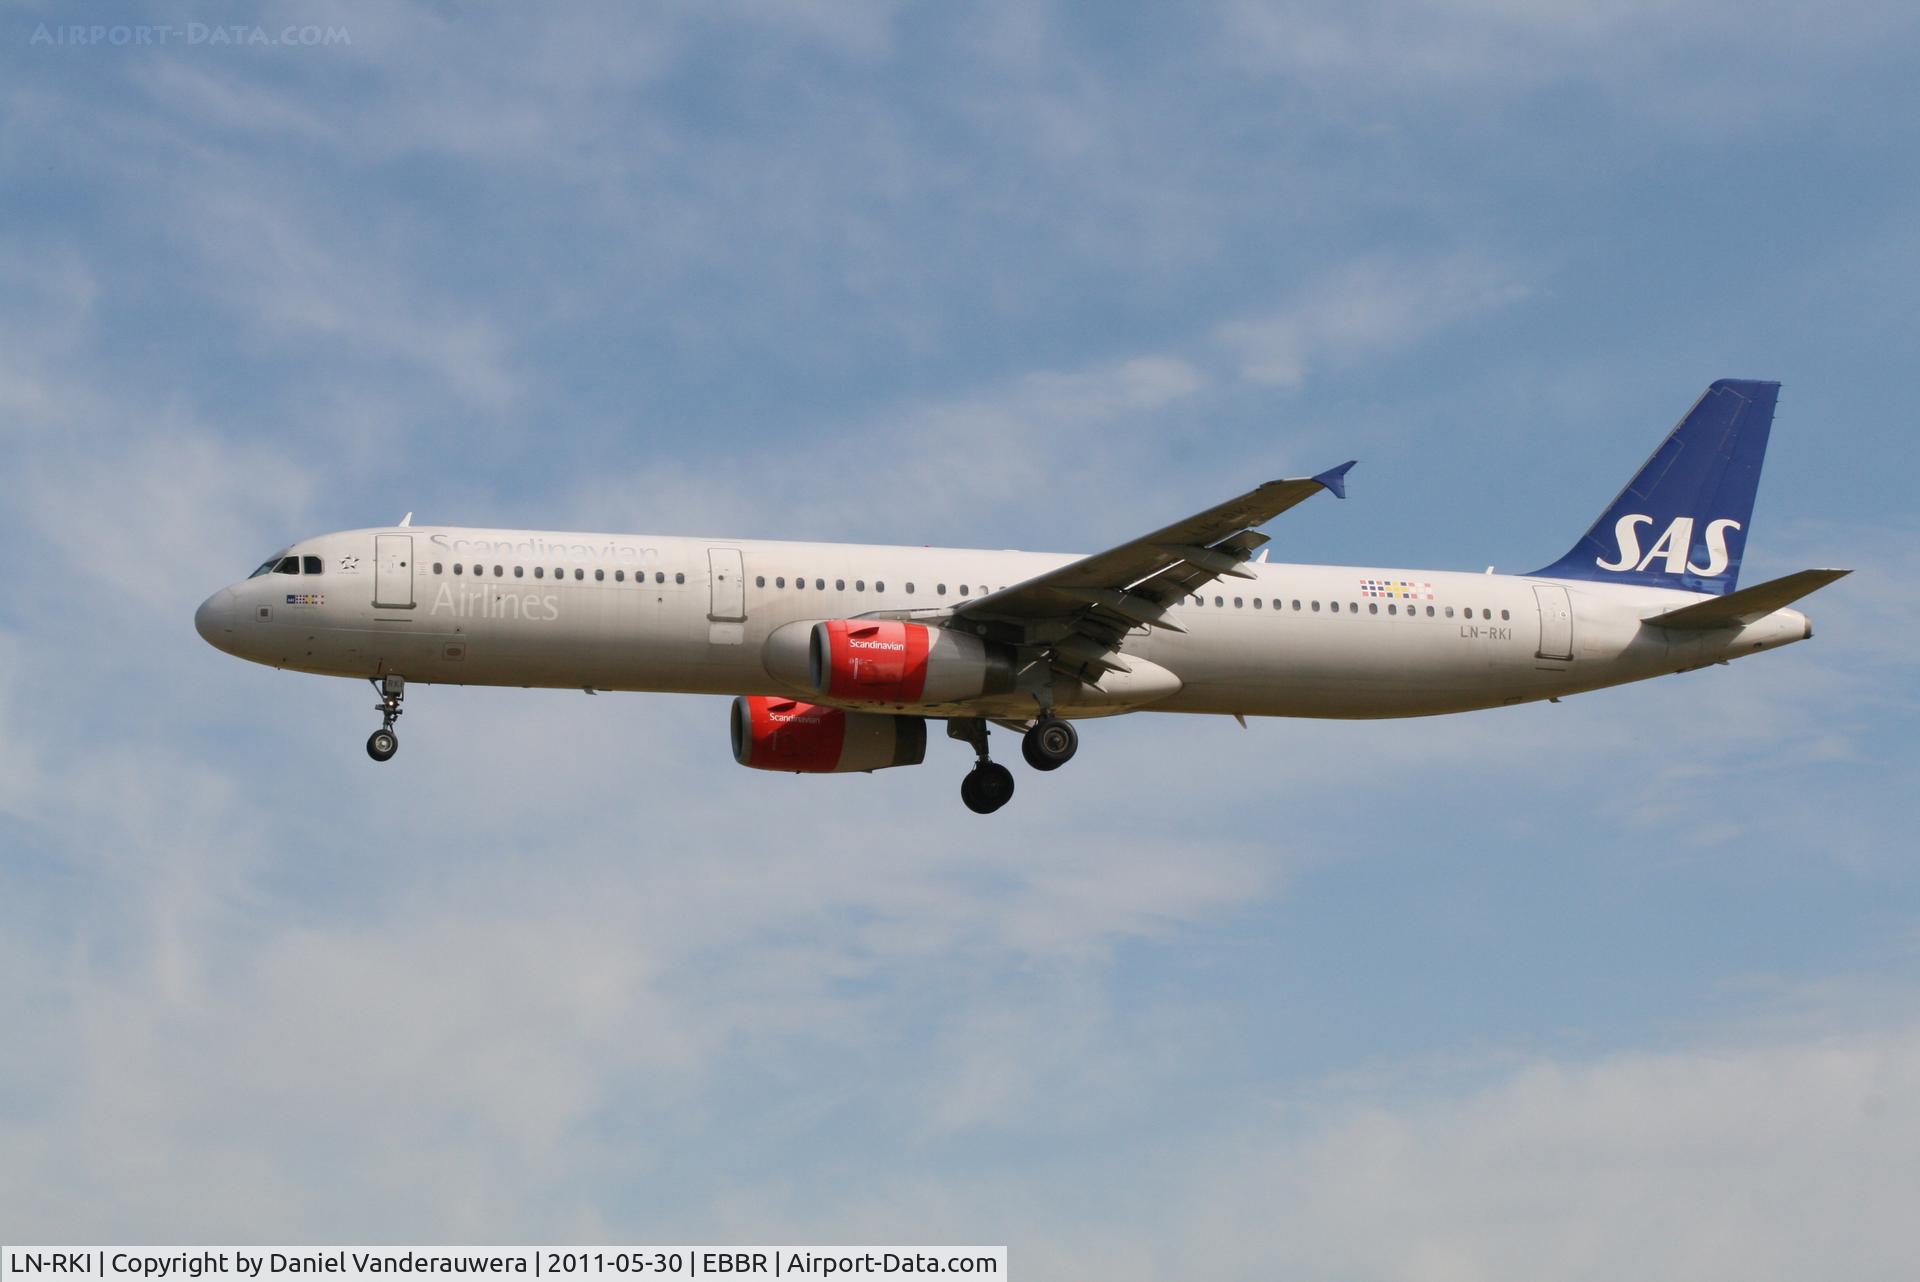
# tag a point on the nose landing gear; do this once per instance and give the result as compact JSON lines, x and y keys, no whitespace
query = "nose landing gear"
{"x":383,"y":743}
{"x":989,"y":785}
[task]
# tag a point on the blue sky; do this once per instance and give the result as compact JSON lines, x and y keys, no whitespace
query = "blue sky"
{"x":1619,"y":987}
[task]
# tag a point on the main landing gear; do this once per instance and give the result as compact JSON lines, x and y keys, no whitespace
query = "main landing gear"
{"x":383,"y":743}
{"x":1048,"y":744}
{"x":989,"y":785}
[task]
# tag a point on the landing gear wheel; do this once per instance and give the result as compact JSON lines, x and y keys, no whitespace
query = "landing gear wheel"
{"x":987,"y":787}
{"x":383,"y":743}
{"x":1050,"y":744}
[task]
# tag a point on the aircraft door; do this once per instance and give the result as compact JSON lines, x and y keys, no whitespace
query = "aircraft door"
{"x":727,"y":608}
{"x":393,"y":571}
{"x":1556,"y":622}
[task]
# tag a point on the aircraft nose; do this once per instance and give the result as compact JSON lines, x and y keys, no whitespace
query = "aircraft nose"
{"x":214,"y":619}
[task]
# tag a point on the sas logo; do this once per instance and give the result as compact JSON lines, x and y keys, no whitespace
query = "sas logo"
{"x":1673,"y":546}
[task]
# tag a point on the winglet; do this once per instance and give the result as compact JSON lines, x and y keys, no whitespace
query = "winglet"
{"x":1335,"y":478}
{"x":406,"y":521}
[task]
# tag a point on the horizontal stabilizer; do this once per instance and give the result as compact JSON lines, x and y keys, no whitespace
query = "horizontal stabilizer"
{"x":1737,"y":609}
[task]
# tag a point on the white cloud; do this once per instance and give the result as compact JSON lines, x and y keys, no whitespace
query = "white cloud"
{"x":1739,"y":1162}
{"x":1370,"y":307}
{"x":1690,"y":67}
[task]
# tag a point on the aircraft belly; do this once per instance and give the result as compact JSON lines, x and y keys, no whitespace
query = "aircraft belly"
{"x":1339,"y":667}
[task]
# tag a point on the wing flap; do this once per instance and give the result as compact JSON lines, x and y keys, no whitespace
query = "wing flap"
{"x":1748,"y":605}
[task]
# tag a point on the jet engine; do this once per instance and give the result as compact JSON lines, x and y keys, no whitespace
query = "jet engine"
{"x":890,"y":661}
{"x":772,"y":733}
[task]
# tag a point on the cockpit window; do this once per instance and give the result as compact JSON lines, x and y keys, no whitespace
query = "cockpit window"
{"x":266,"y":567}
{"x":311,"y":564}
{"x":288,"y":565}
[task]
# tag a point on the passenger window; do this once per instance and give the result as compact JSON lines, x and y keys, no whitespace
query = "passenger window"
{"x":859,"y":585}
{"x":659,"y":576}
{"x":1393,"y":609}
{"x":1219,"y":602}
{"x":499,"y":573}
{"x":436,"y":567}
{"x":599,"y":576}
{"x":539,"y":571}
{"x":288,"y":565}
{"x":1316,"y":607}
{"x":1257,"y":605}
{"x":619,"y":576}
{"x":1296,"y":605}
{"x":819,"y":585}
{"x":579,"y":574}
{"x":1429,"y":612}
{"x":1237,"y":603}
{"x":878,"y":586}
{"x":909,"y":589}
{"x":1373,"y":607}
{"x":940,"y":589}
{"x":519,"y":571}
{"x":1504,"y":615}
{"x":780,"y":582}
{"x":839,"y":585}
{"x":963,"y":589}
{"x":680,"y":577}
{"x":1487,"y":615}
{"x":1449,"y":612}
{"x":457,"y":567}
{"x":311,"y":564}
{"x":759,"y":580}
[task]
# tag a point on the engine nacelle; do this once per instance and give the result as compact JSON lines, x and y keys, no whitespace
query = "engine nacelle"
{"x":772,"y":733}
{"x":892,"y":661}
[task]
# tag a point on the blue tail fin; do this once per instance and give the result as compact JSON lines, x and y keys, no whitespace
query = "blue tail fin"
{"x":1682,"y":521}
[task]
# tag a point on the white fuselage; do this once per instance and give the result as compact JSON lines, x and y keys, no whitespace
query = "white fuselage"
{"x":620,"y":612}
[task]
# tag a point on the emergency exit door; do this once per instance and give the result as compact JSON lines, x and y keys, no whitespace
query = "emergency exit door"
{"x":727,"y":604}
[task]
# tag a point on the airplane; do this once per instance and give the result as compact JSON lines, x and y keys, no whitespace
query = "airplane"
{"x":839,"y":654}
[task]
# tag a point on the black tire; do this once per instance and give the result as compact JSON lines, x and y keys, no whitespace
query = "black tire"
{"x":1050,"y":744}
{"x":382,"y":744}
{"x":987,"y":787}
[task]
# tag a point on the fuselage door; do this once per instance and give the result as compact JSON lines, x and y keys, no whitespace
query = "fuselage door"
{"x":393,"y":571}
{"x":729,"y":585}
{"x":1556,"y":622}
{"x":727,"y":607}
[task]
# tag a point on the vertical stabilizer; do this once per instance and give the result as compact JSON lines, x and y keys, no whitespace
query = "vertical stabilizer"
{"x":1682,"y":521}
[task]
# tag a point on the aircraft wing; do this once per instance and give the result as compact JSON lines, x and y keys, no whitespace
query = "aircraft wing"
{"x":1081,"y":611}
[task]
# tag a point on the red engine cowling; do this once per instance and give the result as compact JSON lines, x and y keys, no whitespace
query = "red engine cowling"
{"x":890,"y":661}
{"x":771,"y":733}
